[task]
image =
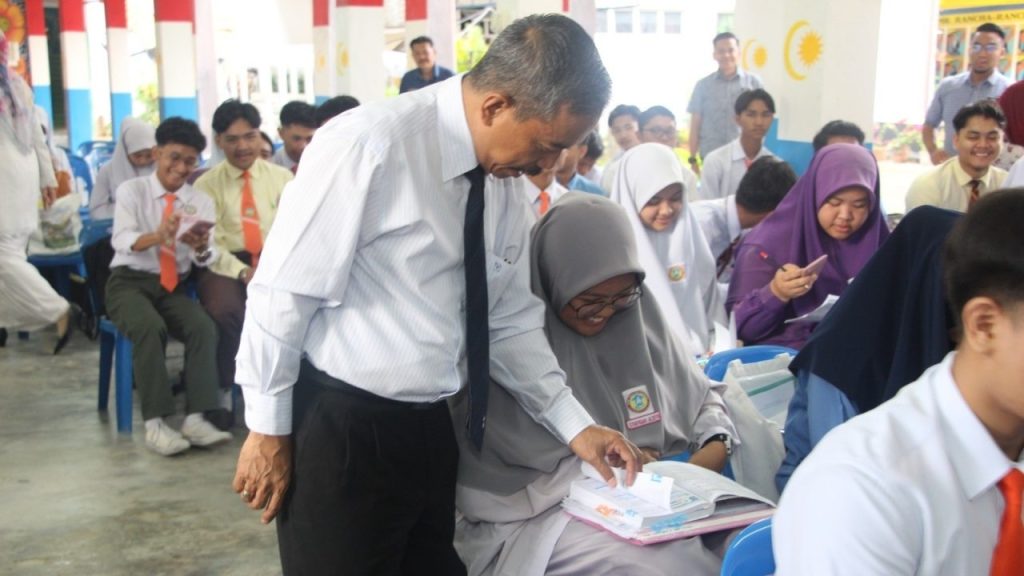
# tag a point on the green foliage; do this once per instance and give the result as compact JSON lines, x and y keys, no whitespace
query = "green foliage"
{"x":470,"y":47}
{"x":147,"y":96}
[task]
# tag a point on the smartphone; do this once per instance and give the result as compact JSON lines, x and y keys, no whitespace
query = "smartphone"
{"x":198,"y":229}
{"x":816,"y":266}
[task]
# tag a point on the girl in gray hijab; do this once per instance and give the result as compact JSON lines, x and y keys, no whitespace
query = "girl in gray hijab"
{"x":626,"y":366}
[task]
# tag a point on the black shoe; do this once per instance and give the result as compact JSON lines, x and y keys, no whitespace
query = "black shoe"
{"x":74,"y":313}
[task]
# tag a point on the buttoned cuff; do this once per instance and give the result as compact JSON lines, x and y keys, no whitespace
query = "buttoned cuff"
{"x":567,"y":418}
{"x":269,"y":414}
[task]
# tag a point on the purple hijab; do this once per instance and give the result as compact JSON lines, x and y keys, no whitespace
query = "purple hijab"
{"x":792,"y":233}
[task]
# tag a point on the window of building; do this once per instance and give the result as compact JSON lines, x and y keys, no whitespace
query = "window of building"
{"x":673,"y":23}
{"x":602,"y":21}
{"x":624,"y":21}
{"x":648,"y":22}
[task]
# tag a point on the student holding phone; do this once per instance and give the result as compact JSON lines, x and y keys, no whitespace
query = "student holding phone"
{"x":833,"y":211}
{"x":146,"y":296}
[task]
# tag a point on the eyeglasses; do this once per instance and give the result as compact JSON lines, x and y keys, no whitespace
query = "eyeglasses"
{"x":976,"y":47}
{"x":619,"y":302}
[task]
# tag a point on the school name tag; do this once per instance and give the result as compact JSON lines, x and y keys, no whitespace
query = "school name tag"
{"x":639,"y":408}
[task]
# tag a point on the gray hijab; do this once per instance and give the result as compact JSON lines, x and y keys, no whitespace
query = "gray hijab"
{"x":582,"y":241}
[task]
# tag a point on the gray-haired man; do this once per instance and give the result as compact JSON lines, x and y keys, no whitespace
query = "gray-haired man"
{"x":394,"y":264}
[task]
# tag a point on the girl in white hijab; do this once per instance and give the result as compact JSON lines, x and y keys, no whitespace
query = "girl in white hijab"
{"x":672,"y":249}
{"x":132,"y":158}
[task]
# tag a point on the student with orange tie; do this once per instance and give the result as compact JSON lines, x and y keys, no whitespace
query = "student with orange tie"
{"x":245,"y":190}
{"x":146,"y":296}
{"x":542,"y":189}
{"x":930,"y":482}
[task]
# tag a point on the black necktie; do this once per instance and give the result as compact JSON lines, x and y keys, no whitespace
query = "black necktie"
{"x":478,"y":353}
{"x":726,"y":256}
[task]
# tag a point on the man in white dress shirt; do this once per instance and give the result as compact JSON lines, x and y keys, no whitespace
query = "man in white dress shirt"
{"x":930,"y":482}
{"x":725,"y":166}
{"x":366,"y":311}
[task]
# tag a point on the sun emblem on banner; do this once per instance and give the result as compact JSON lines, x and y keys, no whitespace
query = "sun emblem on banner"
{"x":758,"y":51}
{"x":803,"y":49}
{"x":12,"y":22}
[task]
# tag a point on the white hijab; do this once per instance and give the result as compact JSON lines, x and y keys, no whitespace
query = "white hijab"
{"x":136,"y":135}
{"x":679,"y":265}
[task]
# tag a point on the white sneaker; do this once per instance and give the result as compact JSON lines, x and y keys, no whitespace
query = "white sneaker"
{"x":164,"y":440}
{"x":200,"y":432}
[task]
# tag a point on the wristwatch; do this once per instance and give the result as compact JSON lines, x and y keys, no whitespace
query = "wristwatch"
{"x":724,"y":439}
{"x":203,"y":255}
{"x":693,"y":159}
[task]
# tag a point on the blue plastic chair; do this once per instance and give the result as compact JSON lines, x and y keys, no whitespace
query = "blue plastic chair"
{"x":750,"y":553}
{"x":718,"y":364}
{"x":115,"y":347}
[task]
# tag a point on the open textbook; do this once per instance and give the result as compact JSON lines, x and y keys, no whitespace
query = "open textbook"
{"x":669,"y":500}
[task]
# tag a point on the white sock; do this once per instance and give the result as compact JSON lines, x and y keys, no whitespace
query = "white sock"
{"x":193,"y":419}
{"x":153,"y":423}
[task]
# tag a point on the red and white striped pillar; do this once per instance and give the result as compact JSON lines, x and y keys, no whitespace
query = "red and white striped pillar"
{"x":359,"y":48}
{"x":38,"y":56}
{"x":176,"y":58}
{"x":118,"y":58}
{"x":436,"y":20}
{"x":323,"y":40}
{"x":75,"y":62}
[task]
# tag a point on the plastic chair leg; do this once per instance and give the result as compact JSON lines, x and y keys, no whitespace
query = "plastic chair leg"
{"x":123,"y":381}
{"x":106,"y":361}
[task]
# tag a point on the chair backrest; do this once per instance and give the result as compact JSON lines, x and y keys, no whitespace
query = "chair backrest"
{"x":750,"y":553}
{"x":718,"y":364}
{"x":88,"y":146}
{"x":81,"y":171}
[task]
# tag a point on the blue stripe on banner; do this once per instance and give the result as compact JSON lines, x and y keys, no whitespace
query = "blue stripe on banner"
{"x":79,"y":116}
{"x":44,"y":99}
{"x":318,"y":100}
{"x":184,"y":107}
{"x":120,"y":107}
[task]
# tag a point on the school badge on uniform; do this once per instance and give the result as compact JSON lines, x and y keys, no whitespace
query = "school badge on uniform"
{"x":639,"y":409}
{"x":676,"y":273}
{"x":190,"y":210}
{"x":250,"y":212}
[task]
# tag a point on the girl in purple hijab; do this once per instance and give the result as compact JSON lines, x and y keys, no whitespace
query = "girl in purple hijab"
{"x":832,"y":210}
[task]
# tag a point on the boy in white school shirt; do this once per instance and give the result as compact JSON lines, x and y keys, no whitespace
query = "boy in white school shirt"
{"x":930,"y":481}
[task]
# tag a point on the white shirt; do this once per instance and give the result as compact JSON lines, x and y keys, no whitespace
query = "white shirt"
{"x":1015,"y":177}
{"x":140,"y":209}
{"x":724,"y":168}
{"x":281,"y":158}
{"x":719,"y":221}
{"x":362,"y":272}
{"x":907,"y":488}
{"x":532,"y":192}
{"x":948,"y":186}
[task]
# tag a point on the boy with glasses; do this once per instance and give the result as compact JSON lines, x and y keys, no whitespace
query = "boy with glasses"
{"x":981,"y":81}
{"x":146,"y":296}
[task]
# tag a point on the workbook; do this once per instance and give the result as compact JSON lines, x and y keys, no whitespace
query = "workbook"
{"x":668,"y":501}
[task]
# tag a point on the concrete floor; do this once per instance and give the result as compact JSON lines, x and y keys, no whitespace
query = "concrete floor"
{"x":78,"y":498}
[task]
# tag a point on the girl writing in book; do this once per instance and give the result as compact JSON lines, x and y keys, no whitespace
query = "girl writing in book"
{"x":628,"y":369}
{"x":833,"y":210}
{"x":671,"y":247}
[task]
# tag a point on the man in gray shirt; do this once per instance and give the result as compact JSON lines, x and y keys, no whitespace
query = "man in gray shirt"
{"x":711,"y":115}
{"x":982,"y":80}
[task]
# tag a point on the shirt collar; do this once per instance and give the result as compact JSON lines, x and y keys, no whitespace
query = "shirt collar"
{"x":732,"y":217}
{"x":458,"y":155}
{"x":532,"y":191}
{"x":963,"y":178}
{"x":738,"y":75}
{"x":157,"y":190}
{"x":739,"y":154}
{"x":234,"y":173}
{"x":977,"y":460}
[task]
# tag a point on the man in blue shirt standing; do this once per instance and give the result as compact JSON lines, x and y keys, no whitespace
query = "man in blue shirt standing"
{"x":982,"y":80}
{"x":427,"y":71}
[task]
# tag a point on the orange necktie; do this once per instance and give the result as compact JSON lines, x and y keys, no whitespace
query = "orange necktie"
{"x":1008,"y":557}
{"x":250,"y":221}
{"x":168,"y":253}
{"x":545,"y":202}
{"x":975,"y":193}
